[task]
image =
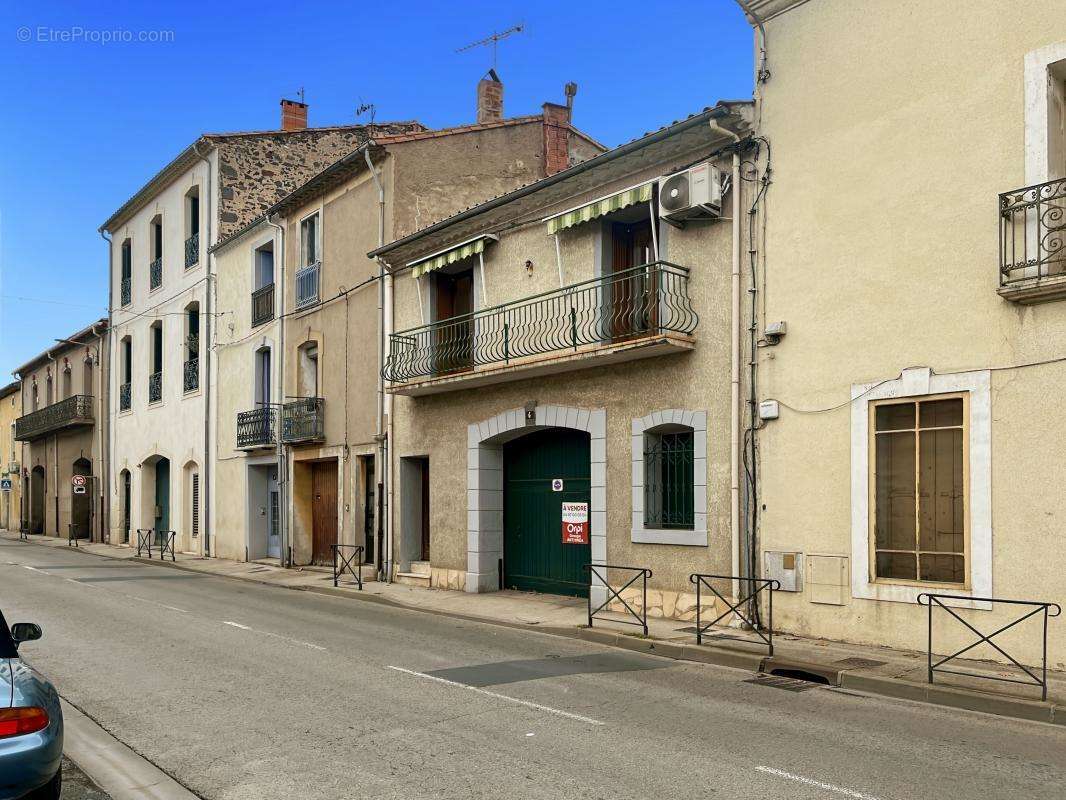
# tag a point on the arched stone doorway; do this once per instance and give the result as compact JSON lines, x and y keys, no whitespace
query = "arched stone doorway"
{"x":155,"y":493}
{"x":125,"y":490}
{"x":486,"y":442}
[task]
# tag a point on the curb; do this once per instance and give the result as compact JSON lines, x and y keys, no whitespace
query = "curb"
{"x":895,"y":688}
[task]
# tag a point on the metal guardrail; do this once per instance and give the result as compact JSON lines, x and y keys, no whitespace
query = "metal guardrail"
{"x":1032,"y":232}
{"x":1038,"y":607}
{"x":343,"y":563}
{"x":144,"y":541}
{"x":756,"y":585}
{"x":155,"y":273}
{"x":642,"y":574}
{"x":263,"y":305}
{"x":257,"y":428}
{"x":192,"y":250}
{"x":72,"y":533}
{"x":303,"y":420}
{"x":642,"y":301}
{"x":307,"y":285}
{"x":162,"y":541}
{"x":75,"y":410}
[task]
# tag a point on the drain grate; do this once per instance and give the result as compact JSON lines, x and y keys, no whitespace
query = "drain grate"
{"x":860,"y":663}
{"x":779,"y":682}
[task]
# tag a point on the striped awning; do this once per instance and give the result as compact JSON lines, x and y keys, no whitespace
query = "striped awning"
{"x":597,"y":208}
{"x":443,"y":258}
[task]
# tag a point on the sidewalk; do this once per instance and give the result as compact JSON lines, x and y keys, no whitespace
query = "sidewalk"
{"x":892,"y":673}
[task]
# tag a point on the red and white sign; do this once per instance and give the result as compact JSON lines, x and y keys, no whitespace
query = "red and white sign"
{"x":77,"y":480}
{"x":575,"y":523}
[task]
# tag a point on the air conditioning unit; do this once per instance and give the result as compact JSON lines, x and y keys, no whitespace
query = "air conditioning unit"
{"x":691,"y":194}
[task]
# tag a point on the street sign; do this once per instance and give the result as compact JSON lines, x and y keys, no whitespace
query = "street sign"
{"x":575,"y":523}
{"x":77,"y":480}
{"x":557,"y":484}
{"x":79,"y":490}
{"x":5,"y":485}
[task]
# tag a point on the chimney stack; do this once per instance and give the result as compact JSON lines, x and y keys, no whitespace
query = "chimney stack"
{"x":293,"y":115}
{"x":556,"y":126}
{"x":489,"y":98}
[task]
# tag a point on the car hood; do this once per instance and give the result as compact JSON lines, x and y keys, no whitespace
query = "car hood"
{"x":7,"y":682}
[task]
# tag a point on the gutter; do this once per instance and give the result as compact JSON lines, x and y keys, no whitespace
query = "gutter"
{"x":283,"y":461}
{"x":205,"y":506}
{"x":702,"y":118}
{"x":105,"y":391}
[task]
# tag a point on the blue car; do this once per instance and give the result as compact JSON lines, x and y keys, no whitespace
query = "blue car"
{"x":31,"y":723}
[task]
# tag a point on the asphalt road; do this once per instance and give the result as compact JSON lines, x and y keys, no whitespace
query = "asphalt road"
{"x":247,"y":691}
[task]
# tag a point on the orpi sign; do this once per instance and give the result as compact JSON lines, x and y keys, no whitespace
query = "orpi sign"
{"x":575,"y":523}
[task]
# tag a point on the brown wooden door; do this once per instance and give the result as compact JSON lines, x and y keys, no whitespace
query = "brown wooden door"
{"x":453,"y":342}
{"x":634,"y":303}
{"x":323,"y":511}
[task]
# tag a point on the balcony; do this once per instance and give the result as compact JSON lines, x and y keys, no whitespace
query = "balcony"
{"x":127,"y":291}
{"x":1032,"y":243}
{"x":191,"y":376}
{"x":307,"y":285}
{"x":303,"y":420}
{"x":192,"y":250}
{"x":74,"y":411}
{"x":263,"y":305}
{"x":257,"y":428}
{"x":125,"y":397}
{"x":155,"y":387}
{"x":638,"y":313}
{"x":155,"y":274}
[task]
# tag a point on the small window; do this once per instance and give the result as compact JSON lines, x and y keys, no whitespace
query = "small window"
{"x":919,"y":488}
{"x":669,"y":501}
{"x":309,"y":240}
{"x":126,"y":286}
{"x":192,"y":227}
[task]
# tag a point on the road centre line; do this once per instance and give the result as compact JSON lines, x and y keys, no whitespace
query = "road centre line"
{"x":829,"y":787}
{"x":274,"y":635}
{"x":526,"y":703}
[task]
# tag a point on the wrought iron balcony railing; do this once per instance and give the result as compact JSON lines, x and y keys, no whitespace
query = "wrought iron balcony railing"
{"x":125,"y":397}
{"x":609,"y":310}
{"x":303,"y":420}
{"x":257,"y":428}
{"x":263,"y":305}
{"x":155,"y":273}
{"x":155,"y":387}
{"x":307,"y":285}
{"x":127,"y":291}
{"x":75,"y":410}
{"x":192,"y":250}
{"x":1032,"y":232}
{"x":191,"y":377}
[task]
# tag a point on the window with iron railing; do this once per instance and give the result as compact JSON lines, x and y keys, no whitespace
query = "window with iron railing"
{"x":125,"y":399}
{"x":1032,"y":233}
{"x":669,"y":500}
{"x":307,"y":285}
{"x":155,"y":387}
{"x":191,"y":376}
{"x":257,"y":428}
{"x":263,"y":305}
{"x":192,"y":250}
{"x":155,"y":273}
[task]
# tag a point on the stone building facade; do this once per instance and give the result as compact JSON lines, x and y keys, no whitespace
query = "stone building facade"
{"x":10,"y":456}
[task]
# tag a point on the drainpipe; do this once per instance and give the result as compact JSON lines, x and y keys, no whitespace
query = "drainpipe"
{"x":106,"y":422}
{"x":734,"y":372}
{"x":205,"y":509}
{"x":384,"y":411}
{"x":283,"y":461}
{"x":105,"y":394}
{"x":55,"y":444}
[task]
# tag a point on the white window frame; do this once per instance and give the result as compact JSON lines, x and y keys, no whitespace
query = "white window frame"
{"x":1038,"y":64}
{"x":318,"y":239}
{"x":640,"y":533}
{"x":914,"y":383}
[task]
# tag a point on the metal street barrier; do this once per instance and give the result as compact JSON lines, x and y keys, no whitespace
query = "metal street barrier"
{"x":642,"y":574}
{"x":343,"y":563}
{"x":1046,"y":610}
{"x":144,"y":541}
{"x":73,"y":533}
{"x":164,"y":542}
{"x":757,"y":585}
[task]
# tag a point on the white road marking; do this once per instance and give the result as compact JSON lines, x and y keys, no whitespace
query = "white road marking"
{"x":780,"y":773}
{"x":526,"y":703}
{"x":27,"y":566}
{"x":86,"y":585}
{"x":274,"y":635}
{"x":236,"y":625}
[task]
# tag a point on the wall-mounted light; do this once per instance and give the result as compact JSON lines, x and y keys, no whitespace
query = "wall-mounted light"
{"x":529,"y":267}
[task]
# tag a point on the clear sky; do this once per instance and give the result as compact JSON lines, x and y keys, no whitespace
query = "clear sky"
{"x":86,"y":121}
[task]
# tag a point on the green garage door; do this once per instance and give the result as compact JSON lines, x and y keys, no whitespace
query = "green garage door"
{"x":534,"y":556}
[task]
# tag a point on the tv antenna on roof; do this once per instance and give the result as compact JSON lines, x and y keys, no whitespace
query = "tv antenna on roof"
{"x":493,"y":40}
{"x":365,"y":108}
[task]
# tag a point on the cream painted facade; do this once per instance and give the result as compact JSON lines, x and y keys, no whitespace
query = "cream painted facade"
{"x":881,"y":238}
{"x":10,"y":456}
{"x":614,"y":389}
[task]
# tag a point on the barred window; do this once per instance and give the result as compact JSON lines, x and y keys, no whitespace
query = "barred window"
{"x":668,"y":478}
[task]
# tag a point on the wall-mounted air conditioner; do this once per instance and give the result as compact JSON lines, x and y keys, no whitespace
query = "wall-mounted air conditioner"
{"x":696,"y":192}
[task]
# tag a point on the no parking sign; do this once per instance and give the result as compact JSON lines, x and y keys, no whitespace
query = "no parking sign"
{"x":575,"y":523}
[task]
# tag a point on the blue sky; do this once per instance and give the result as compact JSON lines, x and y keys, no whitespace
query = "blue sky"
{"x":87,"y":122}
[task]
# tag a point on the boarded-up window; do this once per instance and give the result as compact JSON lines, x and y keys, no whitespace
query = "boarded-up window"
{"x":920,"y":490}
{"x":195,"y":504}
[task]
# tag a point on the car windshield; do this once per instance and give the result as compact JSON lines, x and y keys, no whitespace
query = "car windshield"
{"x":7,"y":646}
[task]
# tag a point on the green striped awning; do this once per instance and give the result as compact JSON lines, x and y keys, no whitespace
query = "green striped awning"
{"x":597,"y":208}
{"x":446,"y":257}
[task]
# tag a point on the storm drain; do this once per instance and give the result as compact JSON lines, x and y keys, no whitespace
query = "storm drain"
{"x":789,"y":684}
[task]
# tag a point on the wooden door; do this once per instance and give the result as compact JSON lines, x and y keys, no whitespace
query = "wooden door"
{"x":323,"y":511}
{"x":634,"y":303}
{"x":453,"y":335}
{"x":425,"y":509}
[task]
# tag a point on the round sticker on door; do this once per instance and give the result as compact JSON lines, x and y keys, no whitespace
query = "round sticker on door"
{"x":557,"y":484}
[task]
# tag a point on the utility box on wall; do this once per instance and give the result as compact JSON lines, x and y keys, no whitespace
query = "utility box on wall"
{"x":784,"y":567}
{"x":827,"y":579}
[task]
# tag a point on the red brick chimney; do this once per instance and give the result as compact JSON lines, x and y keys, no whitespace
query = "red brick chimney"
{"x":293,"y":115}
{"x":557,"y":121}
{"x":489,"y":98}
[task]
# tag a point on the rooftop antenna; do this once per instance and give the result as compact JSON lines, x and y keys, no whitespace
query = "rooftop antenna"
{"x":365,"y":108}
{"x":301,"y":93}
{"x":494,"y":41}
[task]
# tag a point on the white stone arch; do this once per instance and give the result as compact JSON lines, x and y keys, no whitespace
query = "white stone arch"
{"x":485,"y":440}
